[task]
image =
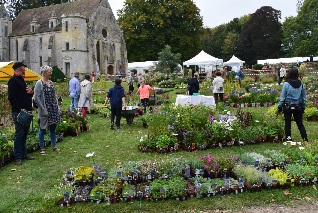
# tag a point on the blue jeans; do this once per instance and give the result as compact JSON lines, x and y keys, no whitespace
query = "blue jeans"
{"x":74,"y":101}
{"x":20,"y":136}
{"x":42,"y":132}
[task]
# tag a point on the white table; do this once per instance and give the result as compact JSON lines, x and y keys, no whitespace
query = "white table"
{"x":195,"y":100}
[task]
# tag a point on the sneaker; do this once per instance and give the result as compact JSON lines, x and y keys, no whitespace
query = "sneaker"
{"x":117,"y":128}
{"x":18,"y":162}
{"x":289,"y":138}
{"x":27,"y":157}
{"x":112,"y":126}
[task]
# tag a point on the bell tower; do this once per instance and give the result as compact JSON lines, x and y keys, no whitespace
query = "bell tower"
{"x":5,"y":30}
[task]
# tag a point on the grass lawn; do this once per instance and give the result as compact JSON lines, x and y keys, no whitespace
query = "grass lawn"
{"x":24,"y":188}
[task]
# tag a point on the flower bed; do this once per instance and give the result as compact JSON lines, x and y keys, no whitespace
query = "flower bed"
{"x":199,"y":127}
{"x":180,"y":178}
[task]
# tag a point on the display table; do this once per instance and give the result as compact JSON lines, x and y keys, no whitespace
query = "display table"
{"x":195,"y":100}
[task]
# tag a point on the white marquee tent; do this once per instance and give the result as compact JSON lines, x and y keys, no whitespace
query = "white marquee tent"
{"x":205,"y":60}
{"x":234,"y":62}
{"x":141,"y":66}
{"x":285,"y":60}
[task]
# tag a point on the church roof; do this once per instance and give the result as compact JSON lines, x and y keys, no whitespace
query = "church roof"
{"x":21,"y":25}
{"x":3,"y":12}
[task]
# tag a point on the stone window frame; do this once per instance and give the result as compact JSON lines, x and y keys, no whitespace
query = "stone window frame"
{"x":66,"y":26}
{"x":40,"y":42}
{"x":67,"y":45}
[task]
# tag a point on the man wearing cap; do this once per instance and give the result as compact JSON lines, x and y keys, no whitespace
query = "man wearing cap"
{"x":75,"y":91}
{"x":20,"y":97}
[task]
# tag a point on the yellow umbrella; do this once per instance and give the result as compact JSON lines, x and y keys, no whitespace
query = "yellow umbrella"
{"x":6,"y":71}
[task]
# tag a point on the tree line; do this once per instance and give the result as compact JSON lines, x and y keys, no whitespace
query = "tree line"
{"x":150,"y":25}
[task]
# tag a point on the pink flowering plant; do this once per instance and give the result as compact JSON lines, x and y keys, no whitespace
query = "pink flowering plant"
{"x":208,"y":161}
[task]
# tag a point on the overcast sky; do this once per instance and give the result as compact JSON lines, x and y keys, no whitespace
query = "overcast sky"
{"x":216,"y":12}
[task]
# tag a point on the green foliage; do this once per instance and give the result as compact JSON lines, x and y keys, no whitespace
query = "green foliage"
{"x":258,"y":66}
{"x":279,"y":175}
{"x":301,"y":32}
{"x":165,"y":140}
{"x":168,"y":61}
{"x":249,"y":173}
{"x":253,"y":44}
{"x":57,"y":75}
{"x":148,"y":27}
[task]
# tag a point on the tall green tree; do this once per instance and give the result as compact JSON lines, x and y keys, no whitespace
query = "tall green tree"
{"x":301,"y":32}
{"x":222,"y":40}
{"x":150,"y":25}
{"x":261,"y":36}
{"x":168,"y":61}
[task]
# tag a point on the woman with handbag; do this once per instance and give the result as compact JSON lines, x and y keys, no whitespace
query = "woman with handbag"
{"x":86,"y":98}
{"x":48,"y":109}
{"x":293,"y":103}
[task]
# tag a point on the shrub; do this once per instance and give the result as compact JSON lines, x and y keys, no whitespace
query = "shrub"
{"x":57,"y":75}
{"x":258,"y":66}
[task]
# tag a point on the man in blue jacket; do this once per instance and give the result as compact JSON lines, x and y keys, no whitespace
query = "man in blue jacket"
{"x":116,"y":94}
{"x":75,"y":91}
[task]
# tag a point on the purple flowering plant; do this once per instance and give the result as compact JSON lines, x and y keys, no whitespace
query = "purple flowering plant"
{"x":208,"y":161}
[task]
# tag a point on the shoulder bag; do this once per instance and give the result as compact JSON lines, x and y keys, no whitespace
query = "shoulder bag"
{"x":25,"y":117}
{"x":292,"y":106}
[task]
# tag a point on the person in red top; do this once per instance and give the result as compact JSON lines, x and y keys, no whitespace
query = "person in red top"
{"x":144,"y":91}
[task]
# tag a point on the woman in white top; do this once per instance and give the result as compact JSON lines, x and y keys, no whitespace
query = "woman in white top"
{"x":86,"y":98}
{"x":282,"y":74}
{"x":218,"y":87}
{"x":140,"y":78}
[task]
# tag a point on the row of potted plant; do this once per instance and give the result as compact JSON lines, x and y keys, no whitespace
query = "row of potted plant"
{"x":179,"y":178}
{"x":200,"y":127}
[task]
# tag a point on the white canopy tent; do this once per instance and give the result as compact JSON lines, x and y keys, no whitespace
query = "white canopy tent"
{"x":141,"y":66}
{"x":234,"y":62}
{"x":205,"y":60}
{"x":286,"y":60}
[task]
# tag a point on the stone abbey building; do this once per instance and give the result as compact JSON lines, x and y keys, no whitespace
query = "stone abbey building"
{"x":80,"y":36}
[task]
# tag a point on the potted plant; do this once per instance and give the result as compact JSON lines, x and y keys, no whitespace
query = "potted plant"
{"x":158,"y":189}
{"x":163,"y":142}
{"x":300,"y":173}
{"x":250,"y":175}
{"x":280,"y":176}
{"x":84,"y":175}
{"x":176,"y":188}
{"x":311,"y":113}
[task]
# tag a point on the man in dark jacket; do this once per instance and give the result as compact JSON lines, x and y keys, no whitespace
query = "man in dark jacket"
{"x":20,"y":97}
{"x":116,"y":94}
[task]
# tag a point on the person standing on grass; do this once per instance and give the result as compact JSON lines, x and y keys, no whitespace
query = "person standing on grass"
{"x":282,"y":74}
{"x":20,"y":97}
{"x":130,"y":81}
{"x":218,"y":87}
{"x":144,"y":91}
{"x":86,"y":98}
{"x":224,"y":73}
{"x":239,"y":75}
{"x":48,"y":108}
{"x":116,"y":94}
{"x":140,"y":78}
{"x":193,"y":84}
{"x":75,"y":91}
{"x":293,"y":91}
